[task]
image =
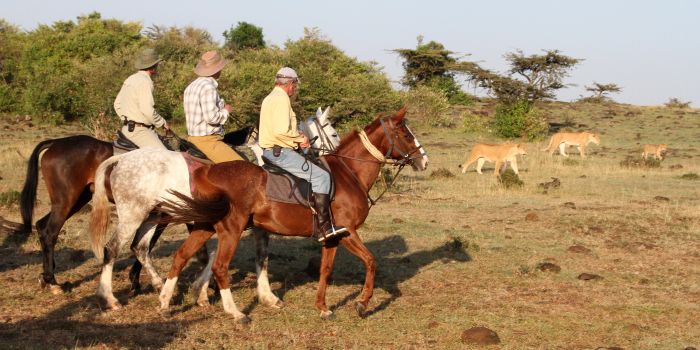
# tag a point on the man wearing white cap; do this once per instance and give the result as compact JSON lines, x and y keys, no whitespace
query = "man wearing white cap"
{"x":134,"y":103}
{"x":278,"y":136}
{"x":206,"y":112}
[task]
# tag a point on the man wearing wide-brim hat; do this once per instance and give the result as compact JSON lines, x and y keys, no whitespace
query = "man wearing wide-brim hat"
{"x":135,"y":106}
{"x":206,"y":112}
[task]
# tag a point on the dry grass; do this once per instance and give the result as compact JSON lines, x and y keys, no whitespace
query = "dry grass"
{"x":452,"y":253}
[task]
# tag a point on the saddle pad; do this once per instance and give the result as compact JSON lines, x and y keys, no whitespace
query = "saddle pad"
{"x":286,"y":188}
{"x":192,"y":165}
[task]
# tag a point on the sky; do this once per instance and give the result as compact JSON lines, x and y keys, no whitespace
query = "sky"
{"x":649,"y":48}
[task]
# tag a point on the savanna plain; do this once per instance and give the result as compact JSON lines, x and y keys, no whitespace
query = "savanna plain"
{"x":453,"y":251}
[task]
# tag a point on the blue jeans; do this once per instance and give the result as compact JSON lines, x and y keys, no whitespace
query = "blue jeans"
{"x":293,"y":163}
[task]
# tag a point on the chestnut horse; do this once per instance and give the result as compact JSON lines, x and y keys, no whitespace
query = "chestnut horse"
{"x":231,"y":195}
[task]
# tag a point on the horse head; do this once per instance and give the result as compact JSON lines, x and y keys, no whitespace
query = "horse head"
{"x":322,"y":135}
{"x":401,"y":143}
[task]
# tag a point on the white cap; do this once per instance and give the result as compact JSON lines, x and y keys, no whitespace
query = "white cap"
{"x":286,"y":72}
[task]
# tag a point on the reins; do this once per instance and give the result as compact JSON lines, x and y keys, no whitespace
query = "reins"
{"x":379,"y":158}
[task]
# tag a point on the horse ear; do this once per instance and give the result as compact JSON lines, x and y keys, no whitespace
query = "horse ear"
{"x":401,"y":113}
{"x":323,"y":117}
{"x":318,"y":112}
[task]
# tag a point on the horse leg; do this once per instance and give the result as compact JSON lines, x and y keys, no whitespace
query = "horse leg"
{"x":144,"y":238}
{"x":49,"y":227}
{"x":128,"y":224}
{"x":327,"y":258}
{"x":197,"y":238}
{"x":479,"y":164}
{"x":201,"y":283}
{"x":265,"y":295}
{"x":135,"y":271}
{"x":229,"y":235}
{"x":354,"y":244}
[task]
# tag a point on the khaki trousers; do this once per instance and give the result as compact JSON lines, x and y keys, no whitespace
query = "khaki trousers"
{"x":214,"y":148}
{"x":143,"y":137}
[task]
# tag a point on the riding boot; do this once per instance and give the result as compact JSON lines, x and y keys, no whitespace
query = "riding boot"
{"x":325,"y":228}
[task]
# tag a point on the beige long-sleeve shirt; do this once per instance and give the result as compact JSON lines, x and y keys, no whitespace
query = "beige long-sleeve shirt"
{"x":135,"y":100}
{"x":278,"y":122}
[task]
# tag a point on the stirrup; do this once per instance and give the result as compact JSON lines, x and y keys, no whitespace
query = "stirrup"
{"x":331,"y":233}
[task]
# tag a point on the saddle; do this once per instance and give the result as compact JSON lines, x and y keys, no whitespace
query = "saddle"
{"x":284,"y":187}
{"x":123,"y":144}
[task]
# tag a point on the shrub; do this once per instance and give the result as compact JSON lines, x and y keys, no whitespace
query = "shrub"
{"x":690,"y":176}
{"x":474,"y":123}
{"x":509,"y":179}
{"x":9,"y":198}
{"x":634,"y":162}
{"x":429,"y":105}
{"x":677,"y":103}
{"x":441,"y":173}
{"x":519,"y":120}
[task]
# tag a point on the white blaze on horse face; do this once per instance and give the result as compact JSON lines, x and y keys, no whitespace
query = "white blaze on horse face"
{"x":424,"y":159}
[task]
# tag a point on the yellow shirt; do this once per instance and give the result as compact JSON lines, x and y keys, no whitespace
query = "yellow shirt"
{"x":278,"y":123}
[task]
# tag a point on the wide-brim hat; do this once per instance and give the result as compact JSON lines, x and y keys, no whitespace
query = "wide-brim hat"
{"x":209,"y":64}
{"x":147,"y":58}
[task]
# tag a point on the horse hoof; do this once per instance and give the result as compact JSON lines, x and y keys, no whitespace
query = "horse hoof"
{"x":134,"y":292}
{"x":166,"y":313}
{"x":279,"y":304}
{"x":203,"y":302}
{"x":243,"y":320}
{"x":360,"y":309}
{"x":327,"y":315}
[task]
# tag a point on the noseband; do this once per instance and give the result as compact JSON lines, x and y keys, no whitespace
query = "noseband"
{"x":397,"y":145}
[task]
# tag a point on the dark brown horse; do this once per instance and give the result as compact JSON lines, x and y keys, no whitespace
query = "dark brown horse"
{"x":232,"y":195}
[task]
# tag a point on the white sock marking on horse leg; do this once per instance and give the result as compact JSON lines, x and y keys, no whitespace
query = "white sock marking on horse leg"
{"x":104,"y":289}
{"x":265,"y":295}
{"x":229,"y":304}
{"x":167,"y":293}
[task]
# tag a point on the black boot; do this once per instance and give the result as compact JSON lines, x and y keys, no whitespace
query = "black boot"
{"x":325,"y":228}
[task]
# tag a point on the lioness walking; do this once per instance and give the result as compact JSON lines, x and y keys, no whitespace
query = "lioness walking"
{"x":579,"y":139}
{"x":656,"y":150}
{"x":500,"y":154}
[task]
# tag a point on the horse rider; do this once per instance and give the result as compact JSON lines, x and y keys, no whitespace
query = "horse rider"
{"x":134,"y":103}
{"x":206,"y":112}
{"x":278,"y":136}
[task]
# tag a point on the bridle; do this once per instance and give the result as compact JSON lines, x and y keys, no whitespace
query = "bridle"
{"x":395,"y":143}
{"x":327,"y":145}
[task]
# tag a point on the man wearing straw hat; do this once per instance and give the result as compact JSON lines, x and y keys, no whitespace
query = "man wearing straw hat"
{"x":134,"y":103}
{"x":206,"y":112}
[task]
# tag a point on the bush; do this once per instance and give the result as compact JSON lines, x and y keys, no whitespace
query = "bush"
{"x":429,"y":105}
{"x":8,"y":198}
{"x":677,"y":103}
{"x":509,"y":179}
{"x":519,"y":120}
{"x":474,"y":123}
{"x":441,"y":173}
{"x":570,"y":162}
{"x":690,"y":176}
{"x":634,"y":162}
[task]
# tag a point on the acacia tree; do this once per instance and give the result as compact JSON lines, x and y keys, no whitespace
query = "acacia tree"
{"x":601,"y":90}
{"x":244,"y":36}
{"x":432,"y":65}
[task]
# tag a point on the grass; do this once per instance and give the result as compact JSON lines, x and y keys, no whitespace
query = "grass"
{"x":452,"y":252}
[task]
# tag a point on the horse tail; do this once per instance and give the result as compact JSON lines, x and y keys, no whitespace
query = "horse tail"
{"x":210,"y":209}
{"x":28,"y":196}
{"x":99,"y":219}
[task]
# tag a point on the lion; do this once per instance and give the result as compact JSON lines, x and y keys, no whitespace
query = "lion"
{"x":579,"y":139}
{"x":500,"y":154}
{"x":656,"y":150}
